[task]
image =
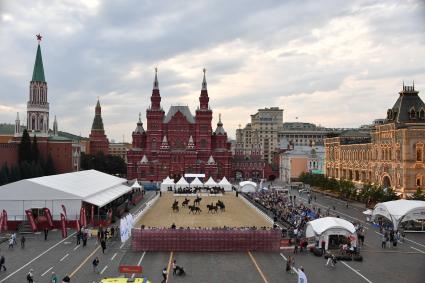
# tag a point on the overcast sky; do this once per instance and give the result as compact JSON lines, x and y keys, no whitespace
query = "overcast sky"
{"x":333,"y":63}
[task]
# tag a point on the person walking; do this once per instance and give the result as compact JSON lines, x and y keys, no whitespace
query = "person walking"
{"x":10,"y":243}
{"x":174,"y":265}
{"x":95,"y":264}
{"x":288,"y":264}
{"x":302,"y":278}
{"x":14,"y":238}
{"x":66,"y":279}
{"x":384,"y":242}
{"x":164,"y":275}
{"x":53,"y":278}
{"x":103,"y":244}
{"x":78,"y":238}
{"x":2,"y":263}
{"x":30,"y":276}
{"x":22,"y":241}
{"x":46,"y":232}
{"x":323,"y":246}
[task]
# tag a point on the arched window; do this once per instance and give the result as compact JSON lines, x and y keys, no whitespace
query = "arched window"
{"x":419,"y":181}
{"x":153,"y":143}
{"x":422,"y":114}
{"x":412,"y":113}
{"x":419,"y":152}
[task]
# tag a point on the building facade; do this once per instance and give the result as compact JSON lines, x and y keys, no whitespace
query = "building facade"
{"x":178,"y":142}
{"x":98,"y":140}
{"x":390,"y":155}
{"x":294,"y":134}
{"x":120,"y":149}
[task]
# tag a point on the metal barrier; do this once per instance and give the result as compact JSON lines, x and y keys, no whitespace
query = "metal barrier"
{"x":205,"y":240}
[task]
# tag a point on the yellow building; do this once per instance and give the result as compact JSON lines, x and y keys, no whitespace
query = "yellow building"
{"x":390,"y":155}
{"x":120,"y":149}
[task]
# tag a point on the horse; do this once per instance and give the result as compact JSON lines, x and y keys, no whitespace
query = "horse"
{"x":212,"y":208}
{"x":185,"y":202}
{"x":175,"y":202}
{"x":175,"y":207}
{"x":194,"y":209}
{"x":197,"y":201}
{"x":221,"y":205}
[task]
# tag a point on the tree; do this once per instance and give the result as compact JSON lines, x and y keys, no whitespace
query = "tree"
{"x":4,"y":174}
{"x":24,"y":149}
{"x":49,"y":168}
{"x":418,"y":195}
{"x":35,"y":154}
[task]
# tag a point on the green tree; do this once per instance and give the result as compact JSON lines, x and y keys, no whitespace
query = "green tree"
{"x":35,"y":155}
{"x":4,"y":174}
{"x":24,"y":149}
{"x":418,"y":195}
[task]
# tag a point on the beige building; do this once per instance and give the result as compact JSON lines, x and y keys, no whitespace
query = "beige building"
{"x":120,"y":149}
{"x":390,"y":155}
{"x":262,"y":133}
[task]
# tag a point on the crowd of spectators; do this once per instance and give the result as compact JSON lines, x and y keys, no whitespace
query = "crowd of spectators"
{"x":227,"y":228}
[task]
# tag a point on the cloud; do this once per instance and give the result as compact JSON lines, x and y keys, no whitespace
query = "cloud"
{"x":334,"y":63}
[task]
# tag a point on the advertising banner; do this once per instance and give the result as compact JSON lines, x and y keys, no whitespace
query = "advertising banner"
{"x":48,"y":216}
{"x":4,"y":220}
{"x":92,"y":215}
{"x":64,"y":212}
{"x":63,"y":226}
{"x":31,"y":220}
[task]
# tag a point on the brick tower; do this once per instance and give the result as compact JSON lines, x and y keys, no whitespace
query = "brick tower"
{"x":98,"y":140}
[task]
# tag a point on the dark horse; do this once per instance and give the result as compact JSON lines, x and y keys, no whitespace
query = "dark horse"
{"x":185,"y":202}
{"x":194,"y":209}
{"x":197,"y":201}
{"x":212,"y":208}
{"x":175,"y":207}
{"x":221,"y":205}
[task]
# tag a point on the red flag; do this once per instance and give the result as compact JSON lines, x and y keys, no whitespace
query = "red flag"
{"x":31,"y":220}
{"x":64,"y":212}
{"x":92,"y":215}
{"x":4,"y":220}
{"x":63,"y":226}
{"x":48,"y":216}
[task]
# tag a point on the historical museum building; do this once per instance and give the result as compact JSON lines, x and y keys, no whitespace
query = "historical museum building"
{"x":391,"y":155}
{"x":98,"y":140}
{"x":178,"y":142}
{"x":65,"y":156}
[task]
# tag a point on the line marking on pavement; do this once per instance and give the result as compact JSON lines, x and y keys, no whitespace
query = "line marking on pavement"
{"x":84,"y":261}
{"x":77,"y":247}
{"x":139,"y":262}
{"x":355,"y":271}
{"x":122,"y":245}
{"x":418,"y":250}
{"x":405,"y":239}
{"x":37,"y":257}
{"x":258,"y":267}
{"x":65,"y":256}
{"x":115,"y":254}
{"x":46,"y":271}
{"x":169,"y":266}
{"x":103,"y":270}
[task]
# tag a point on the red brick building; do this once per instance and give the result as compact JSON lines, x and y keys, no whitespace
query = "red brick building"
{"x":178,"y":142}
{"x":49,"y":142}
{"x":98,"y":140}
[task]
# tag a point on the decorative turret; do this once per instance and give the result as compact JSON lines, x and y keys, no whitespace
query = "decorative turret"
{"x":98,"y":140}
{"x":17,"y":125}
{"x":156,"y":97}
{"x":204,"y":99}
{"x":220,"y":130}
{"x":55,"y":127}
{"x":190,"y":144}
{"x":211,"y":160}
{"x":409,"y":107}
{"x":97,"y":121}
{"x":144,"y":160}
{"x":139,"y":128}
{"x":164,"y":144}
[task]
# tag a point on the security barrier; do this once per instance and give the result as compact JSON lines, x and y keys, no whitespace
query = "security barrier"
{"x":205,"y":240}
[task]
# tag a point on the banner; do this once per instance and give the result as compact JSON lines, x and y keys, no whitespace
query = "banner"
{"x":77,"y":225}
{"x":92,"y":215}
{"x":109,"y":216}
{"x":1,"y":222}
{"x":4,"y":220}
{"x":63,"y":226}
{"x":64,"y":212}
{"x":31,"y":220}
{"x":48,"y":216}
{"x":83,"y":217}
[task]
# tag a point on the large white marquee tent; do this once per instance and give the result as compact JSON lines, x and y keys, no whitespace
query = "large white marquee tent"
{"x":225,"y":185}
{"x":70,"y":190}
{"x":166,"y":183}
{"x":322,"y":228}
{"x":398,"y":211}
{"x":247,"y":186}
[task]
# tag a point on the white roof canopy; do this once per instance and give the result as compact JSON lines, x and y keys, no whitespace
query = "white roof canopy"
{"x":210,"y":183}
{"x":398,"y":211}
{"x":224,"y":182}
{"x":182,"y":183}
{"x":107,"y":196}
{"x":168,"y":181}
{"x":196,"y":183}
{"x":136,"y":185}
{"x":248,"y":186}
{"x":331,"y":225}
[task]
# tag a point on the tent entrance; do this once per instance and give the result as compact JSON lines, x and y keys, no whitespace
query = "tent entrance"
{"x":335,"y":241}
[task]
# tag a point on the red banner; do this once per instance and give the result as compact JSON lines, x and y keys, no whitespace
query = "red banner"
{"x":1,"y":222}
{"x":92,"y":215}
{"x":63,"y":226}
{"x":31,"y":220}
{"x":77,"y":225}
{"x":4,"y":220}
{"x":83,"y":217}
{"x":109,"y":216}
{"x":48,"y":216}
{"x":130,"y":269}
{"x":64,"y":212}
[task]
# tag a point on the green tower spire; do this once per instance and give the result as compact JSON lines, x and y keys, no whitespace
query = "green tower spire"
{"x":38,"y":73}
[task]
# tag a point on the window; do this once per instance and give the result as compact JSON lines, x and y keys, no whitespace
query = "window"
{"x":412,"y":113}
{"x":419,"y":180}
{"x":422,"y":114}
{"x":418,"y":153}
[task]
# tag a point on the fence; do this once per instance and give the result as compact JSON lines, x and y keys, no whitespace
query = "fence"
{"x":205,"y":240}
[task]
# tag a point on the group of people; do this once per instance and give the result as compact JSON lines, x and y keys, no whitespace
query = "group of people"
{"x":195,"y":190}
{"x":13,"y":241}
{"x":173,"y":226}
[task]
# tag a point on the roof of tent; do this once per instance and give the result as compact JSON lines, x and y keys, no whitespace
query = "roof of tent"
{"x":224,"y":182}
{"x":196,"y":182}
{"x":397,"y":209}
{"x":91,"y":186}
{"x":321,"y":225}
{"x":168,"y":181}
{"x":136,"y":185}
{"x":247,"y":183}
{"x":210,"y":182}
{"x":182,"y":181}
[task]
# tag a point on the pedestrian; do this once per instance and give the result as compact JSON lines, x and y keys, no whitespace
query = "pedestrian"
{"x":112,"y":232}
{"x":85,"y":239}
{"x":10,"y":243}
{"x":403,"y":235}
{"x":78,"y":238}
{"x":174,"y":267}
{"x":95,"y":264}
{"x":346,"y":204}
{"x":323,"y":245}
{"x":22,"y":241}
{"x":46,"y":232}
{"x":66,"y":279}
{"x":30,"y":276}
{"x":53,"y":278}
{"x":302,"y":278}
{"x":103,"y":244}
{"x":288,"y":264}
{"x":384,"y":242}
{"x":14,"y":238}
{"x":164,"y":275}
{"x":2,"y":263}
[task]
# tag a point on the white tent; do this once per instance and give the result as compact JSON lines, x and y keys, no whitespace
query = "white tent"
{"x":210,"y":183}
{"x":398,"y":211}
{"x":247,"y":187}
{"x":322,"y":228}
{"x":166,"y":183}
{"x":182,"y":183}
{"x":70,"y":190}
{"x":196,"y":183}
{"x":136,"y":185}
{"x":225,"y":184}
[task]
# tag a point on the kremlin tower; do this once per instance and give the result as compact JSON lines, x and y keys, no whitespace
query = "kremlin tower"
{"x":98,"y":140}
